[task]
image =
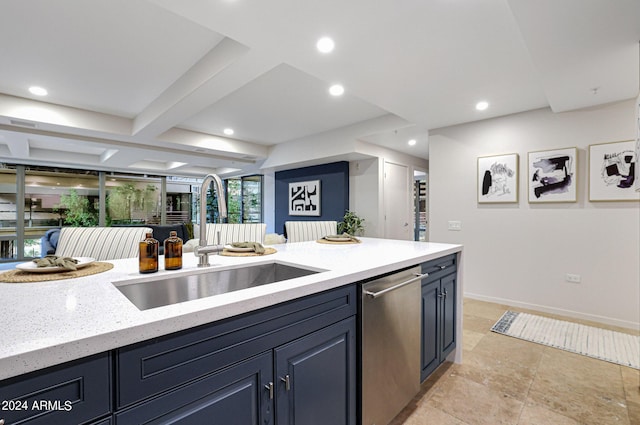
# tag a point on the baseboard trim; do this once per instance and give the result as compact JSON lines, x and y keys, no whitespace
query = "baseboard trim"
{"x":552,"y":310}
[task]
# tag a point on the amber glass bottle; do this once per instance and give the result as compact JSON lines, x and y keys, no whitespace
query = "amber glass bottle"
{"x":173,"y":252}
{"x":148,"y":259}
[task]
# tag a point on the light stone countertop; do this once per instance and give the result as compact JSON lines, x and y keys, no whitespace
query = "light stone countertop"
{"x":47,"y":323}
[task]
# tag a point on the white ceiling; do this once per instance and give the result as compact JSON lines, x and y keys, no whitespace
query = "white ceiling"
{"x":148,"y":86}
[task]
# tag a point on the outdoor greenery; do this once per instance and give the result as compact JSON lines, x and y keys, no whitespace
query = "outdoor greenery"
{"x":124,"y":201}
{"x":244,"y":200}
{"x":234,"y":201}
{"x":351,"y":224}
{"x":77,"y":210}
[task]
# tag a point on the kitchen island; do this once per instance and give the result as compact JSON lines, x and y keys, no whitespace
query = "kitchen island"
{"x":50,"y":323}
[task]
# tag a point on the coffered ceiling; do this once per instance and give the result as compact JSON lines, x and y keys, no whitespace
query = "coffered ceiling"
{"x":149,"y":86}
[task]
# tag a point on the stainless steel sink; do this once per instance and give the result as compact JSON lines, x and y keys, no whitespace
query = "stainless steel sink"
{"x":148,"y":293}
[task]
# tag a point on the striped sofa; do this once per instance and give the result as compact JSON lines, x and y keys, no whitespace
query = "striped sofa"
{"x":299,"y":231}
{"x":101,"y":243}
{"x":229,"y":233}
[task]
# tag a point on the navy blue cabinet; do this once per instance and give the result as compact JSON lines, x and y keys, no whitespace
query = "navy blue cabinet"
{"x":316,"y":377}
{"x":294,"y":363}
{"x":438,"y":313}
{"x":236,"y":395}
{"x":71,"y":393}
{"x":154,"y":366}
{"x":313,"y":383}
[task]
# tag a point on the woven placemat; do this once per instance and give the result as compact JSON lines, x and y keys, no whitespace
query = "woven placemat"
{"x":228,"y":253}
{"x":18,"y":276}
{"x":337,"y":243}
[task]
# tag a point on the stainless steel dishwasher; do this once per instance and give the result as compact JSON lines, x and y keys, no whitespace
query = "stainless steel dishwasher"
{"x":390,"y":321}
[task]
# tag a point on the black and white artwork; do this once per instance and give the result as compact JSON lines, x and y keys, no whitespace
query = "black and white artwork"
{"x":613,"y":171}
{"x":304,"y":198}
{"x":637,"y":185}
{"x":552,"y":175}
{"x":498,"y":179}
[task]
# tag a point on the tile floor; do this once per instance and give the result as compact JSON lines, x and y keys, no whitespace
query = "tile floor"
{"x":504,"y":380}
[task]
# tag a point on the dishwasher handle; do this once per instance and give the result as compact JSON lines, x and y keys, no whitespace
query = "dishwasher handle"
{"x":418,"y":276}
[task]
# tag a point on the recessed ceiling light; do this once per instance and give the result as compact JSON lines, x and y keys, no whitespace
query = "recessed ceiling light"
{"x":38,"y":91}
{"x":481,"y":106}
{"x":228,"y":131}
{"x":411,"y":142}
{"x":325,"y":45}
{"x":336,"y":90}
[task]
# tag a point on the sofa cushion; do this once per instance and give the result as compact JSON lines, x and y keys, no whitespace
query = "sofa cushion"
{"x":49,"y":242}
{"x":229,"y":233}
{"x":298,"y":231}
{"x":101,"y":243}
{"x":161,"y":232}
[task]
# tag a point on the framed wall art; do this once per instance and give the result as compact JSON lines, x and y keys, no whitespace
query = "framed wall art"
{"x":304,"y":198}
{"x":637,"y":184}
{"x":498,"y":179}
{"x":552,"y":175}
{"x":613,"y":169}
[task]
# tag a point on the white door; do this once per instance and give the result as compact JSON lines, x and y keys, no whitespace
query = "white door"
{"x":397,"y":202}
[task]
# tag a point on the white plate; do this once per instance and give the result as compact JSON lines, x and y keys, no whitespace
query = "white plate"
{"x":32,"y":267}
{"x":234,"y":249}
{"x":338,"y":239}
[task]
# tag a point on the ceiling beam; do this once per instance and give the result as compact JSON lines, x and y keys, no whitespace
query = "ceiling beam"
{"x":227,"y":67}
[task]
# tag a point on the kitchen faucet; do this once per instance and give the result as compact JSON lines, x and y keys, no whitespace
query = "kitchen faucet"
{"x":203,"y":250}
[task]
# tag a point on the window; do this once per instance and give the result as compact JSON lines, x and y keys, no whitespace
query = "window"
{"x":34,"y":199}
{"x":252,"y":199}
{"x":133,"y":200}
{"x":244,"y":199}
{"x":54,"y":198}
{"x":8,"y":235}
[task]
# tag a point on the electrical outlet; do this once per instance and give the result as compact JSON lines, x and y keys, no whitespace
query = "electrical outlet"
{"x":455,"y":226}
{"x":574,"y":278}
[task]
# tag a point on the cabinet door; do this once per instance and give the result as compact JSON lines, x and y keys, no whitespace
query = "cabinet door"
{"x":448,"y":316}
{"x":237,"y":395}
{"x":430,"y":328}
{"x":316,"y":377}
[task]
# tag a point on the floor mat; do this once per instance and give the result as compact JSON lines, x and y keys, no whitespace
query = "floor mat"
{"x":603,"y":344}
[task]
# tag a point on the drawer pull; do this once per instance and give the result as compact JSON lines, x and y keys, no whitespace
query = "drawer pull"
{"x":287,"y":382}
{"x":442,"y":267}
{"x":268,"y":387}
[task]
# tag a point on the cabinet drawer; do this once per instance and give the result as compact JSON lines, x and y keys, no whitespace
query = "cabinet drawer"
{"x":157,"y":365}
{"x":67,"y":394}
{"x":439,"y":267}
{"x":234,"y":395}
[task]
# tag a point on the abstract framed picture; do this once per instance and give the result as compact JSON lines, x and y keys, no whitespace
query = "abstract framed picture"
{"x":613,"y":171}
{"x":498,"y":179}
{"x":304,"y":198}
{"x":552,"y":175}
{"x":637,"y":185}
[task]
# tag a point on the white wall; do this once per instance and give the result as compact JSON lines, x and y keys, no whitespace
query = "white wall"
{"x":507,"y":250}
{"x":365,"y":194}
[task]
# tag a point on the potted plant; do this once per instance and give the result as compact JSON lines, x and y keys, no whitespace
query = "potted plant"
{"x":351,"y":224}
